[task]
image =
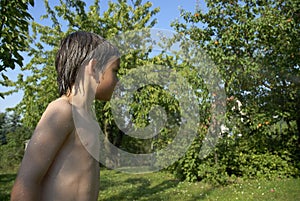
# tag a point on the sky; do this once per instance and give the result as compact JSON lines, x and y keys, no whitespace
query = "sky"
{"x":169,"y":11}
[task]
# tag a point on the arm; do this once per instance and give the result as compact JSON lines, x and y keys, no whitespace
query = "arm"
{"x":50,"y":134}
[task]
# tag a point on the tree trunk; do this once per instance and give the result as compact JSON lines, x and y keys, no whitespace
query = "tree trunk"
{"x":298,"y":128}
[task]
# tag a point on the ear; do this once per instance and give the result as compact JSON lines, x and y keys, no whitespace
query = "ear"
{"x":91,"y":67}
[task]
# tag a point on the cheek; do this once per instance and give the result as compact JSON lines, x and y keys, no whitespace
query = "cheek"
{"x":105,"y":89}
{"x":101,"y":94}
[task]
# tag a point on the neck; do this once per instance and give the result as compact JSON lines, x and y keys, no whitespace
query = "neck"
{"x":83,"y":91}
{"x":82,"y":97}
{"x":82,"y":101}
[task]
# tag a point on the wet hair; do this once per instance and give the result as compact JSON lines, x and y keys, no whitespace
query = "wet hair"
{"x":76,"y":50}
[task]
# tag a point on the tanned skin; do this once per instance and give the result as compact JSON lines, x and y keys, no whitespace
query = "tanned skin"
{"x":57,"y":164}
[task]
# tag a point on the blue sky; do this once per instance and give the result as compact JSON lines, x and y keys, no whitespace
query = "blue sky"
{"x":169,"y":11}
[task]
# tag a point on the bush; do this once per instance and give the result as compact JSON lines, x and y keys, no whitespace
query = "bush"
{"x":12,"y":152}
{"x":240,"y":158}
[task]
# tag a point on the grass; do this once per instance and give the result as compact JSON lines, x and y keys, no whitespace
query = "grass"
{"x":6,"y":182}
{"x":163,"y":186}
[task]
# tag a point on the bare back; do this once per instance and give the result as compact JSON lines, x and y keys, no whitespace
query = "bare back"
{"x":74,"y":174}
{"x":57,"y":165}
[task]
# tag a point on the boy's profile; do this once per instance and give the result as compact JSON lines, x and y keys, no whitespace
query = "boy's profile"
{"x":59,"y":163}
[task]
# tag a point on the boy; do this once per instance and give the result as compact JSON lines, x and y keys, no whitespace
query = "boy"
{"x":61,"y":161}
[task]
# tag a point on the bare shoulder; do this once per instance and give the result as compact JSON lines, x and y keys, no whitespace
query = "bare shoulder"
{"x":60,"y":107}
{"x":59,"y":113}
{"x":61,"y":103}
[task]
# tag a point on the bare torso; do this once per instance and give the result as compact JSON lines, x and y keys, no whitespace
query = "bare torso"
{"x":60,"y":162}
{"x":73,"y":175}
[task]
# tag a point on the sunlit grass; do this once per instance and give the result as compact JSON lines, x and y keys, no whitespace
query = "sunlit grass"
{"x":164,"y":186}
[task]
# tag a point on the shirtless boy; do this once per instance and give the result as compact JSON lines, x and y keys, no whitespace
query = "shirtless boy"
{"x":60,"y":162}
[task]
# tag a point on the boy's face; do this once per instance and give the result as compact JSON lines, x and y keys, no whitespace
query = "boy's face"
{"x":108,"y":80}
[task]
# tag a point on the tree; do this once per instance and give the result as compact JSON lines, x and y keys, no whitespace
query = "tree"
{"x":2,"y":129}
{"x":13,"y":32}
{"x":13,"y":135}
{"x":255,"y":45}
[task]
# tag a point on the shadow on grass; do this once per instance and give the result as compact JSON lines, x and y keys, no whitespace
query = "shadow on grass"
{"x":141,"y":189}
{"x":6,"y":183}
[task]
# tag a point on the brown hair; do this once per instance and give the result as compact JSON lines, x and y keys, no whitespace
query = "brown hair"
{"x":76,"y":50}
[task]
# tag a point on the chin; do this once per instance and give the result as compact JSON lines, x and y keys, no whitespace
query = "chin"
{"x":104,"y":96}
{"x":101,"y":98}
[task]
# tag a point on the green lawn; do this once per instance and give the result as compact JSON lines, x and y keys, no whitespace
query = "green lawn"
{"x":163,"y":186}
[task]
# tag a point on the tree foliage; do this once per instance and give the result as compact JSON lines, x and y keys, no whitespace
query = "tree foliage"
{"x":13,"y":32}
{"x":255,"y":45}
{"x":12,"y":140}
